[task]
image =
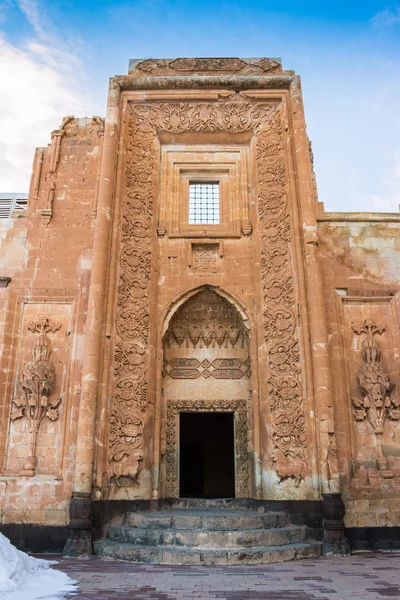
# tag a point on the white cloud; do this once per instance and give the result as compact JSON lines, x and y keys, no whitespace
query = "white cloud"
{"x":35,"y":16}
{"x":41,"y":83}
{"x":389,"y":16}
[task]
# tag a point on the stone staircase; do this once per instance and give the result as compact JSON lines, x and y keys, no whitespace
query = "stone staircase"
{"x":207,"y":532}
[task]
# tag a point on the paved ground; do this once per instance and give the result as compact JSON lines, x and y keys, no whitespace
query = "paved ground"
{"x":361,"y":576}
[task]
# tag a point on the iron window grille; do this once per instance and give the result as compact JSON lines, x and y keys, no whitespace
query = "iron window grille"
{"x":204,"y":203}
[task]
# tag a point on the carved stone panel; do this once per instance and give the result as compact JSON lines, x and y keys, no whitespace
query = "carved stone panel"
{"x":34,"y":399}
{"x":205,"y":258}
{"x":36,"y":434}
{"x":181,"y":66}
{"x":371,"y":349}
{"x":377,"y":403}
{"x":280,"y":322}
{"x":132,"y":324}
{"x":239,"y":408}
{"x":220,"y":368}
{"x":177,"y":117}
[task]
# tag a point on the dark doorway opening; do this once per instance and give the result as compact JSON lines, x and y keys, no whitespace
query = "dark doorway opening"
{"x":207,"y":455}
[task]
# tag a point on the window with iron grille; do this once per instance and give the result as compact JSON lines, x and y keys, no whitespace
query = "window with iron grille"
{"x":204,"y":203}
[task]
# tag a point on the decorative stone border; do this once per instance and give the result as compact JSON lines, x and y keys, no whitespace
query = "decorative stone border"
{"x":239,"y":408}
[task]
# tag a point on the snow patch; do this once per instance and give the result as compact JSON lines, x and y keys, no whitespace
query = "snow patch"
{"x":23,"y":577}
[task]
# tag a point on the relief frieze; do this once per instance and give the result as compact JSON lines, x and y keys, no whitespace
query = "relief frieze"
{"x":220,"y":368}
{"x":207,"y":65}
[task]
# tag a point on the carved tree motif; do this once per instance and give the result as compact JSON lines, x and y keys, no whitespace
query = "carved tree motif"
{"x":280,"y":327}
{"x":32,"y":399}
{"x":130,"y":367}
{"x":376,"y":404}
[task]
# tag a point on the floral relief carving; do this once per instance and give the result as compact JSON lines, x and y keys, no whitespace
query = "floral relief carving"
{"x":132,"y":330}
{"x":203,"y":116}
{"x":237,"y":406}
{"x":376,"y":403}
{"x":34,"y":388}
{"x":280,"y":327}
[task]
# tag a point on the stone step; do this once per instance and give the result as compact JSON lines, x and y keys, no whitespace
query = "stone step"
{"x":203,"y":538}
{"x":228,"y":520}
{"x":209,"y":503}
{"x":181,"y":555}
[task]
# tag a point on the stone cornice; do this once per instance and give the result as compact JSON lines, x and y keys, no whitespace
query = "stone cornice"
{"x":355,"y":217}
{"x":235,"y":82}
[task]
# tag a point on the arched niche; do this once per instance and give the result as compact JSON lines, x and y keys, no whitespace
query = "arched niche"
{"x":206,"y":369}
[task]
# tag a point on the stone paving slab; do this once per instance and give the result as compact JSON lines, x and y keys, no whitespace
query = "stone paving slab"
{"x":358,"y":577}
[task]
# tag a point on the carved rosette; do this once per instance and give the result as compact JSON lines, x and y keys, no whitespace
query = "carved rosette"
{"x":280,"y":327}
{"x":132,"y":330}
{"x":237,"y":406}
{"x":130,"y":367}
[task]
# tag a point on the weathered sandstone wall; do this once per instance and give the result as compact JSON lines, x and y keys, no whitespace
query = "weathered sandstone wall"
{"x":47,"y":255}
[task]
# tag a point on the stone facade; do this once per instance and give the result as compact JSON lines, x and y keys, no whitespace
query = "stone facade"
{"x":120,"y":313}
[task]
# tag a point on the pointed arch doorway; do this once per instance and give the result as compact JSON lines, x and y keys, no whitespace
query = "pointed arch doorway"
{"x":206,"y":383}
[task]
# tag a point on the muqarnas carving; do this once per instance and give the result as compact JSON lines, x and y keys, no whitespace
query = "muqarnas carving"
{"x":207,"y":321}
{"x":33,"y":396}
{"x":376,"y":403}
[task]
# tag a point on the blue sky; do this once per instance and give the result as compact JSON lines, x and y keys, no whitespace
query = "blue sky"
{"x":56,"y":58}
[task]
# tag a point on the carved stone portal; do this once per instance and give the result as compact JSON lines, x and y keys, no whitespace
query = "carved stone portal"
{"x":376,"y":404}
{"x":131,"y":366}
{"x":34,"y":388}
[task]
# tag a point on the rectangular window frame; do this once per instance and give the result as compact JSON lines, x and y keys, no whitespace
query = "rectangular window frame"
{"x":227,"y":165}
{"x":206,"y":176}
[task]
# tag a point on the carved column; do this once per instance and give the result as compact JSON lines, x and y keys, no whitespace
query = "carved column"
{"x":323,"y":391}
{"x":285,"y":389}
{"x":79,"y":542}
{"x":131,"y":350}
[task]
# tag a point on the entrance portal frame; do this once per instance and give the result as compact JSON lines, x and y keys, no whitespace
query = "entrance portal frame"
{"x":239,"y":409}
